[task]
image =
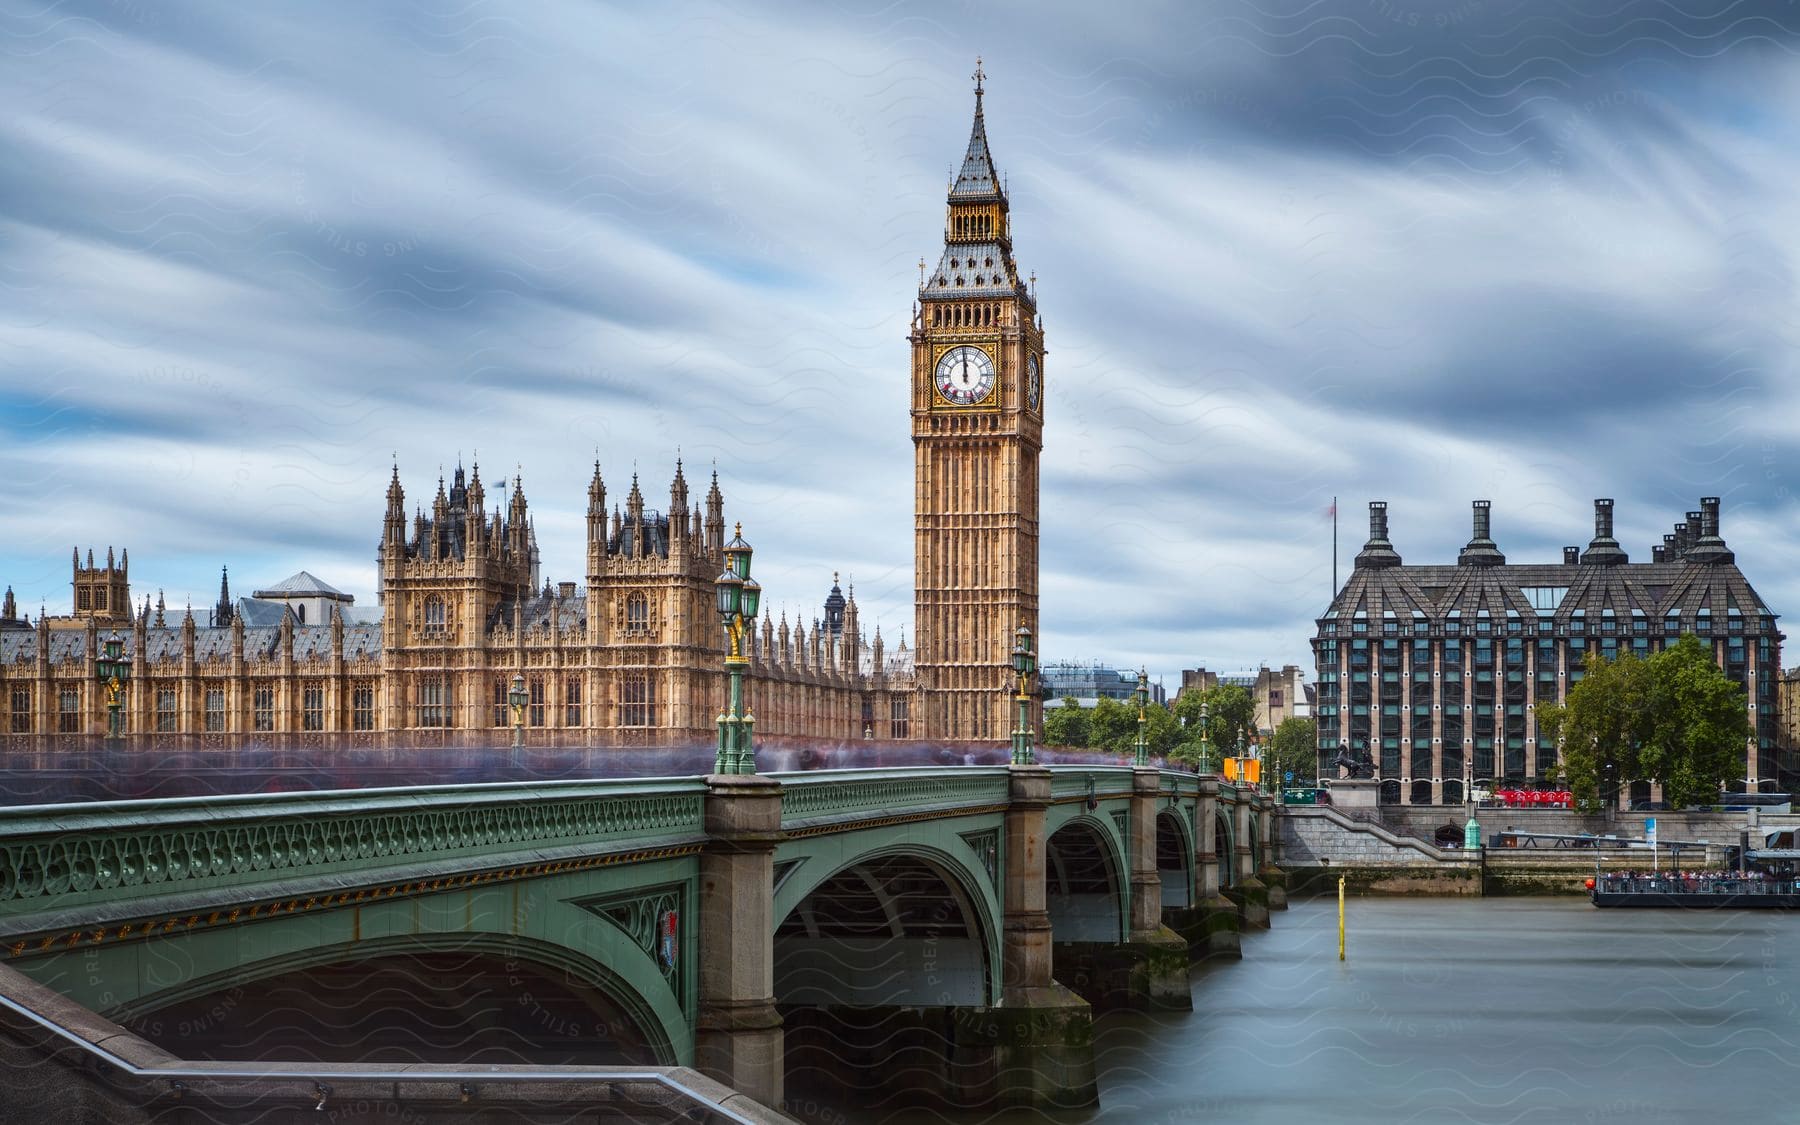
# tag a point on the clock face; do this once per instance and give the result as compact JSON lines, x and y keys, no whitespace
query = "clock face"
{"x":965,"y":376}
{"x":1032,"y":386}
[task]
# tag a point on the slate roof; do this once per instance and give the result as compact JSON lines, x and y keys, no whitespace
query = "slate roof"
{"x":656,"y":537}
{"x":303,"y":585}
{"x":973,"y":269}
{"x":977,"y":179}
{"x":311,"y":642}
{"x":537,"y":610}
{"x":260,"y":614}
{"x":1700,"y":580}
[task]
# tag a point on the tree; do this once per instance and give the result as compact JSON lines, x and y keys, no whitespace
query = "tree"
{"x":1601,"y":725}
{"x":1162,"y":731}
{"x":1230,"y":711}
{"x":1697,"y":742}
{"x":1112,"y":726}
{"x":1295,"y":746}
{"x":1674,"y":717}
{"x":1066,"y":725}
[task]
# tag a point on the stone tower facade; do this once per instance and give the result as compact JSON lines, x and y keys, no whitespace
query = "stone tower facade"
{"x":977,"y":425}
{"x":102,"y":593}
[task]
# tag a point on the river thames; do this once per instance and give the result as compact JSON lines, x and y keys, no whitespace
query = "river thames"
{"x":1490,"y":1010}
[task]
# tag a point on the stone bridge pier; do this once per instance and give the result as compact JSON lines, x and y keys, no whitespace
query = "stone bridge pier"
{"x":737,"y":1033}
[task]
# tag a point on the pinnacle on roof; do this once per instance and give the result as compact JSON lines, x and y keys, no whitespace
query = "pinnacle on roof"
{"x":977,"y":179}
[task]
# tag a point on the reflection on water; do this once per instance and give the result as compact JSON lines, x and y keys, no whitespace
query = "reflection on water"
{"x":1497,"y":1010}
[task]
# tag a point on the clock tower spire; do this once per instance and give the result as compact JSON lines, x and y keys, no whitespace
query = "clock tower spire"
{"x":977,"y":425}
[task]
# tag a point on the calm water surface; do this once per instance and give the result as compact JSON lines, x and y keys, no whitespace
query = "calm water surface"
{"x":1496,"y":1010}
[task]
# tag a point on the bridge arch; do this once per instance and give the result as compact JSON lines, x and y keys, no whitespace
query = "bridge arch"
{"x":1175,"y":858}
{"x":1224,"y":839}
{"x":428,"y":998}
{"x":874,"y":904}
{"x":543,"y":924}
{"x":1086,"y":882}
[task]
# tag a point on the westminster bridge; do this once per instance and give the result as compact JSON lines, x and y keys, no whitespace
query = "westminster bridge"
{"x":947,"y":930}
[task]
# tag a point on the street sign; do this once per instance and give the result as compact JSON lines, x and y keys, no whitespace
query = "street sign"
{"x":1289,"y":775}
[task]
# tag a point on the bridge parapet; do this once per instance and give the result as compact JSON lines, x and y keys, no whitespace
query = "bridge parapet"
{"x":817,"y":798}
{"x":1101,"y":781}
{"x":78,"y":857}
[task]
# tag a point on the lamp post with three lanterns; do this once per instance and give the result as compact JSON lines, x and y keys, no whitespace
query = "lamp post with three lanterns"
{"x":113,"y":670}
{"x":1024,"y":663}
{"x":739,"y":596}
{"x":1142,"y":695}
{"x":517,"y":698}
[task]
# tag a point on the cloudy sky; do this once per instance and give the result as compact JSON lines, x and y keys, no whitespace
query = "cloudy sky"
{"x":1422,"y":251}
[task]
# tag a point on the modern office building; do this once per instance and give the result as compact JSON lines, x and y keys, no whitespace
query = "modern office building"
{"x":1438,"y":670}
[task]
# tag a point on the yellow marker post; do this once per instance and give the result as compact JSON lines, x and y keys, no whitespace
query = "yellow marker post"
{"x":1340,"y":917}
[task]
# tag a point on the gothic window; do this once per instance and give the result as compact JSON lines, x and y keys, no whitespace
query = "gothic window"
{"x":215,"y":710}
{"x":68,"y":711}
{"x":638,"y":708}
{"x":637,"y":615}
{"x":501,"y":688}
{"x":100,"y":597}
{"x":434,"y":614}
{"x":899,"y":726}
{"x":165,"y":710}
{"x":535,"y":710}
{"x":21,"y":710}
{"x":312,"y":707}
{"x":362,"y":707}
{"x":83,"y":599}
{"x":572,"y":702}
{"x":262,"y":707}
{"x":434,"y":702}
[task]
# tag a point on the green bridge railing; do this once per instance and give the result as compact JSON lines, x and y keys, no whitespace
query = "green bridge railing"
{"x":822,"y":794}
{"x":64,"y":856}
{"x":57,"y":859}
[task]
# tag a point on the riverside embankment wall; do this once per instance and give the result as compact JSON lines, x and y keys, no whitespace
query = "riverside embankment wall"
{"x":1319,"y":844}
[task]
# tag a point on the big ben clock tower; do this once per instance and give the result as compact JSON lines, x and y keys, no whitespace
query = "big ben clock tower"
{"x":978,"y":426}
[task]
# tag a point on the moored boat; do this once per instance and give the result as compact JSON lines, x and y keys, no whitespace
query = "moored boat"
{"x":1697,"y":891}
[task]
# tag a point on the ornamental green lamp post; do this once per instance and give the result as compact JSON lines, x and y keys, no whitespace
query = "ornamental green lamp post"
{"x":1206,"y":763}
{"x":518,"y":699}
{"x":739,"y":596}
{"x":1143,"y":720}
{"x":1024,"y":663}
{"x":113,"y":670}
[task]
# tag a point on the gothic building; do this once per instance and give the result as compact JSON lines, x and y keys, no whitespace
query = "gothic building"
{"x":631,"y":657}
{"x":631,"y":651}
{"x":1438,"y":671}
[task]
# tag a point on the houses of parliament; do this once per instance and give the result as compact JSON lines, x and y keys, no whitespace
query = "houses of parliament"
{"x":633,"y":655}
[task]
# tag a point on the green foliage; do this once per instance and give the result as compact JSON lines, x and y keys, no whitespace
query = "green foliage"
{"x":1697,"y":742}
{"x":1112,"y":726}
{"x":1066,"y":725}
{"x":1161,"y":729}
{"x":1295,"y":746}
{"x":1230,"y":711}
{"x":1602,"y":725}
{"x":1674,"y":717}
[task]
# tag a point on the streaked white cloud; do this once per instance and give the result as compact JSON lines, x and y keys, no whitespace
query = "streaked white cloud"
{"x":250,"y":253}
